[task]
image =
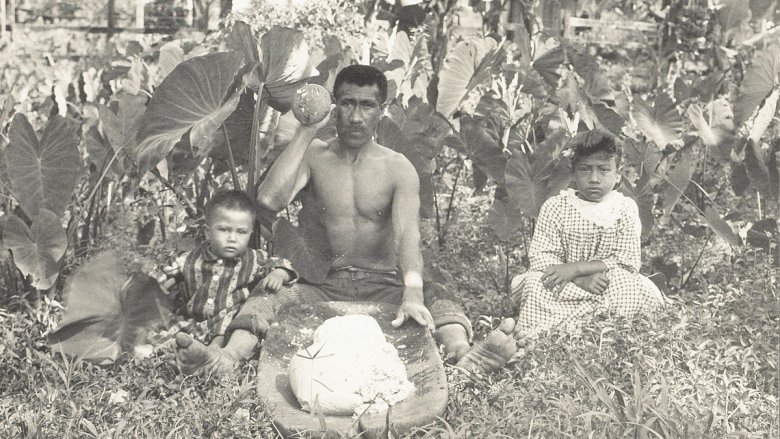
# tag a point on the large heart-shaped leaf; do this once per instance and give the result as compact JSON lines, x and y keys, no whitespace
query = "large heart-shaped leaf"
{"x":171,"y":55}
{"x":766,"y":114}
{"x":774,"y":169}
{"x":108,"y":311}
{"x":122,"y":126}
{"x":662,"y":123}
{"x":468,"y":65}
{"x":718,"y":131}
{"x":193,"y":98}
{"x":643,"y":196}
{"x":482,"y":141}
{"x":38,"y":249}
{"x":306,"y":246}
{"x":505,"y":219}
{"x":761,"y":77}
{"x":532,"y":179}
{"x":242,"y":40}
{"x":286,"y":65}
{"x":721,"y":227}
{"x":43,"y":174}
{"x":677,"y":180}
{"x":757,"y":169}
{"x":548,"y":65}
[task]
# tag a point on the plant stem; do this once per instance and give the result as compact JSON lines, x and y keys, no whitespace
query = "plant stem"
{"x":454,"y":187}
{"x":684,"y":282}
{"x":192,"y":212}
{"x":231,"y":161}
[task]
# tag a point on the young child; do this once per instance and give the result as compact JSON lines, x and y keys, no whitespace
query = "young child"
{"x":216,"y":279}
{"x":585,"y":252}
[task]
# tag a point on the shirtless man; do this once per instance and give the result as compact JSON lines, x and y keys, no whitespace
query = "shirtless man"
{"x":367,"y":197}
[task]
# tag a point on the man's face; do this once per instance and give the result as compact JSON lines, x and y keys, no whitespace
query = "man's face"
{"x":595,"y":176}
{"x":228,"y":232}
{"x":358,"y":110}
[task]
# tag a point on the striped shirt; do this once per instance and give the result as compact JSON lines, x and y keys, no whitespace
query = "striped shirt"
{"x":213,"y":288}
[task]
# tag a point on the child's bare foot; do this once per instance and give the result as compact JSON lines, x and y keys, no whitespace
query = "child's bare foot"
{"x":193,"y":356}
{"x":492,"y":353}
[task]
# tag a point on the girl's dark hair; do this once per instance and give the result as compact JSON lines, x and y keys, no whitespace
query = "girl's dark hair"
{"x":595,"y":141}
{"x":230,"y":199}
{"x":360,"y":75}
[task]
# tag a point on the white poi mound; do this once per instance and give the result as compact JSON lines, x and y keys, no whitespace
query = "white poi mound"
{"x":349,"y":368}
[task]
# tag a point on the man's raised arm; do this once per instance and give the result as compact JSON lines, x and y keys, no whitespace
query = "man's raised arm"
{"x":289,"y":173}
{"x":406,"y":230}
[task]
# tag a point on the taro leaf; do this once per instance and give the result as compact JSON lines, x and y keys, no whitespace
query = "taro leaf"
{"x":3,"y":164}
{"x":239,"y":128}
{"x":709,"y":135}
{"x":43,"y":174}
{"x":763,"y":233}
{"x":38,"y":249}
{"x":643,"y":196}
{"x":482,"y":142}
{"x":306,"y":246}
{"x":121,"y":127}
{"x":739,"y":178}
{"x":682,"y":90}
{"x":108,"y":311}
{"x":388,"y":134}
{"x":757,"y":169}
{"x":286,"y":64}
{"x":504,"y":218}
{"x":171,"y":55}
{"x":468,"y":65}
{"x":548,"y":65}
{"x":242,"y":40}
{"x":732,"y":14}
{"x":760,"y":78}
{"x":608,"y":117}
{"x":707,"y":87}
{"x":765,"y":115}
{"x":480,"y":179}
{"x":662,"y":124}
{"x":531,"y":180}
{"x":721,"y":227}
{"x":774,"y":169}
{"x":677,"y":180}
{"x":99,"y":151}
{"x":192,"y":98}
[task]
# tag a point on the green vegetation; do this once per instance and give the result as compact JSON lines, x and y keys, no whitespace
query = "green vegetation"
{"x":97,"y":154}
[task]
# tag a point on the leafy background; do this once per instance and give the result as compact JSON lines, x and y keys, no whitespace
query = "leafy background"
{"x":132,"y":148}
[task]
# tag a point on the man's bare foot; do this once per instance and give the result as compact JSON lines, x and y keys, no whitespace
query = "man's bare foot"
{"x":193,"y":356}
{"x":492,"y":353}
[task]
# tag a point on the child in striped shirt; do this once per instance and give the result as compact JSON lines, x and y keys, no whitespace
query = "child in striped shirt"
{"x":214,"y":281}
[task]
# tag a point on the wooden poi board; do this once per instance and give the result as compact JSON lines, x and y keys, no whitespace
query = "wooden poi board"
{"x":293,"y":331}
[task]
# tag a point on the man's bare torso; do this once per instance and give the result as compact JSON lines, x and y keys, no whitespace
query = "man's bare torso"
{"x":354,"y":201}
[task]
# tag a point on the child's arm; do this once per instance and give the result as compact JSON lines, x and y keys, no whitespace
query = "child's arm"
{"x":627,"y":252}
{"x":546,"y":246}
{"x":273,"y":272}
{"x":275,"y":279}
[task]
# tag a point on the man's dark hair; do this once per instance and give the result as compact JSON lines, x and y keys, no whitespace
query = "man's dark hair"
{"x":230,"y":199}
{"x":597,"y":140}
{"x":361,"y":75}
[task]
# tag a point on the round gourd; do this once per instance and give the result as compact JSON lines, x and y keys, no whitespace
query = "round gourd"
{"x":311,"y":104}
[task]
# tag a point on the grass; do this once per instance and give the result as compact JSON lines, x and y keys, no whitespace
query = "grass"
{"x":704,"y":367}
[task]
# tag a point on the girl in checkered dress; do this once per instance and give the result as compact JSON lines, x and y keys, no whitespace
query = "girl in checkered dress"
{"x":585,"y":252}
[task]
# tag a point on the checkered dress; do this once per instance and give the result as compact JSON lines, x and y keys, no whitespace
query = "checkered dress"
{"x":570,"y":229}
